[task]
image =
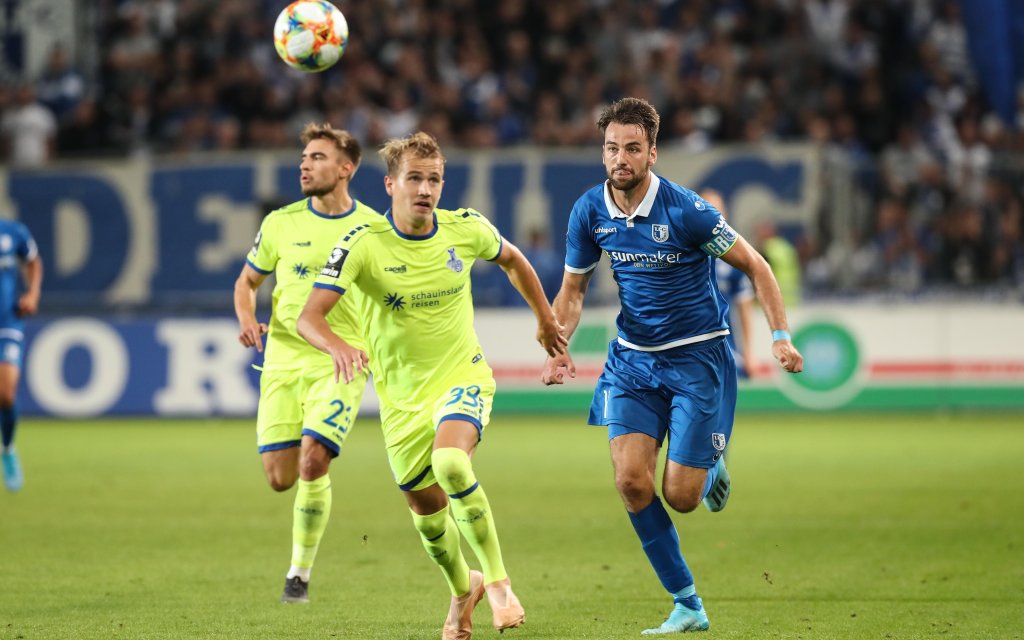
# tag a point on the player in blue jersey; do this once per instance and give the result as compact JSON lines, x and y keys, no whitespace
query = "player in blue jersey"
{"x":21,"y":278}
{"x":739,"y":294}
{"x":669,"y":371}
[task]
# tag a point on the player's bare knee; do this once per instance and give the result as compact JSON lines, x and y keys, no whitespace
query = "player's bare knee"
{"x":7,"y":398}
{"x":280,"y":482}
{"x":682,"y":499}
{"x":633,"y":487}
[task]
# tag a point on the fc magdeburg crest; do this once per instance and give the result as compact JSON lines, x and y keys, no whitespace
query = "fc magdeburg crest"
{"x":659,"y":232}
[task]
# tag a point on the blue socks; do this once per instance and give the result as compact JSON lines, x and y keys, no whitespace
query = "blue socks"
{"x":8,"y":417}
{"x":661,"y":544}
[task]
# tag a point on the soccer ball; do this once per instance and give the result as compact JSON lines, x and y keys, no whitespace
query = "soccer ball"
{"x":310,"y":35}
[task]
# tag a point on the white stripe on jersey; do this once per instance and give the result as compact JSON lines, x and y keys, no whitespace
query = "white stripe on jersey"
{"x":675,"y":343}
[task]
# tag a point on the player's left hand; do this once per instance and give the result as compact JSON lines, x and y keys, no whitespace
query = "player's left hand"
{"x":788,"y":356}
{"x":28,"y":304}
{"x":348,"y":361}
{"x":551,"y":336}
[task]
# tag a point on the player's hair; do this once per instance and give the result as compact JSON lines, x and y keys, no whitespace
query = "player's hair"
{"x":343,"y":140}
{"x":418,"y":145}
{"x":632,"y":111}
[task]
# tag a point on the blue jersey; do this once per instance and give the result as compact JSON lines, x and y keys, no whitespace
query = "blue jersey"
{"x":16,"y":248}
{"x":662,"y":258}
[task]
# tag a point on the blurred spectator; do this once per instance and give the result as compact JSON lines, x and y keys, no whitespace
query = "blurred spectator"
{"x":61,"y":88}
{"x":548,"y":263}
{"x":782,"y":256}
{"x":28,"y":130}
{"x":885,"y":90}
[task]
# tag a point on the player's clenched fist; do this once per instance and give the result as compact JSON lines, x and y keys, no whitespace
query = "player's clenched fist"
{"x":788,"y":356}
{"x":555,"y":368}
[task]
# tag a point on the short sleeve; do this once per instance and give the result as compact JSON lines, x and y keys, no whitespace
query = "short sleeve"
{"x":488,"y":240}
{"x":705,"y":227}
{"x":263,"y":256}
{"x":581,"y":252}
{"x":26,"y":249}
{"x":344,"y":264}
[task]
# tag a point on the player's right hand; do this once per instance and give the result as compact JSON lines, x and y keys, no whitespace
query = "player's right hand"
{"x":551,"y":337}
{"x":348,"y":361}
{"x":788,"y":356}
{"x":251,"y":335}
{"x":555,"y":368}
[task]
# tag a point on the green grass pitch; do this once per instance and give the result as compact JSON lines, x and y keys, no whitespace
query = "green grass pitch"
{"x":868,"y":526}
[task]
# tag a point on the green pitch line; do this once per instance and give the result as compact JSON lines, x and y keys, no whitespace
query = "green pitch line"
{"x":849,"y":527}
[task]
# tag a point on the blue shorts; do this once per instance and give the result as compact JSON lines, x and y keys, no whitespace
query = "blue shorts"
{"x":10,"y":351}
{"x":687,"y":393}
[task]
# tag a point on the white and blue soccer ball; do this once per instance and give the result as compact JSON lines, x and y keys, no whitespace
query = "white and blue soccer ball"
{"x":310,"y":35}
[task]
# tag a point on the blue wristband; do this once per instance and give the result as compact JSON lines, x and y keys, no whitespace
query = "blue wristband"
{"x":781,"y":334}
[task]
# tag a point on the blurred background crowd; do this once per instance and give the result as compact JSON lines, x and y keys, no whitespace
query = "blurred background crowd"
{"x":924,"y":176}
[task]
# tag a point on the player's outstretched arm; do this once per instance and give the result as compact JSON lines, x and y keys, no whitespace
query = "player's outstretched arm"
{"x":312,"y":326}
{"x":766,"y":288}
{"x":568,"y":307}
{"x":520,"y":273}
{"x":251,"y":330}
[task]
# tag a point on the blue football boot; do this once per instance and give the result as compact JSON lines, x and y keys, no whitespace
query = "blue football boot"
{"x":718,"y":495}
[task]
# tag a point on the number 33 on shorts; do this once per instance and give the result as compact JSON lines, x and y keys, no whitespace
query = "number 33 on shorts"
{"x":472,"y":401}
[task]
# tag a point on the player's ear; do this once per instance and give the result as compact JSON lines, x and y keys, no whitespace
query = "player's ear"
{"x":389,"y":185}
{"x":654,"y":154}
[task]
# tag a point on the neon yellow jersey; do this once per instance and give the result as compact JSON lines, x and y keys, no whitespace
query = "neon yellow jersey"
{"x":293,"y":244}
{"x":419,"y":305}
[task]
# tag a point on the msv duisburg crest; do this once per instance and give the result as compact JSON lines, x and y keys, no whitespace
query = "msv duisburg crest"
{"x":453,"y":262}
{"x":659,"y":232}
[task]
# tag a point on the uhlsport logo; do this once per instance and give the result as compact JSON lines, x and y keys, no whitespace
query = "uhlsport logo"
{"x":453,"y":262}
{"x":659,"y":232}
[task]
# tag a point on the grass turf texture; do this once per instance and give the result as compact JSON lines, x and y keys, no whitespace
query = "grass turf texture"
{"x":838,"y":527}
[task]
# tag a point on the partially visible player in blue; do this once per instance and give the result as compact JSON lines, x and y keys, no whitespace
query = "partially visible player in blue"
{"x":739,"y":295}
{"x":670,"y":371}
{"x":21,"y":279}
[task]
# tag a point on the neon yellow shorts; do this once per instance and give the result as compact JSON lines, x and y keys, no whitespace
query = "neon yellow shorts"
{"x":409,"y":435}
{"x":298,"y":403}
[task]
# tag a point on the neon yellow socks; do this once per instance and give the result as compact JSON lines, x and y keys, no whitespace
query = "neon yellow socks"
{"x":472,"y":511}
{"x":440,"y":538}
{"x":312,"y":511}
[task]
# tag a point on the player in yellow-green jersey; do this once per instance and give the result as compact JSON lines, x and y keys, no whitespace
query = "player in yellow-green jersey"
{"x":304,"y":413}
{"x":434,"y":383}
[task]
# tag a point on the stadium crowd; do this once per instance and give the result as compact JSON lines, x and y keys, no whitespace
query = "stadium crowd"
{"x":885,"y":90}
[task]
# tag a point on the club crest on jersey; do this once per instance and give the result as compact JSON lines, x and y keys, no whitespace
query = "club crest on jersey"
{"x":718,"y":440}
{"x":453,"y":262}
{"x":659,"y":232}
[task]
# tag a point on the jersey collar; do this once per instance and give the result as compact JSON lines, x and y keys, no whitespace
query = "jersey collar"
{"x":391,"y":219}
{"x":646,"y":204}
{"x":321,"y":214}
